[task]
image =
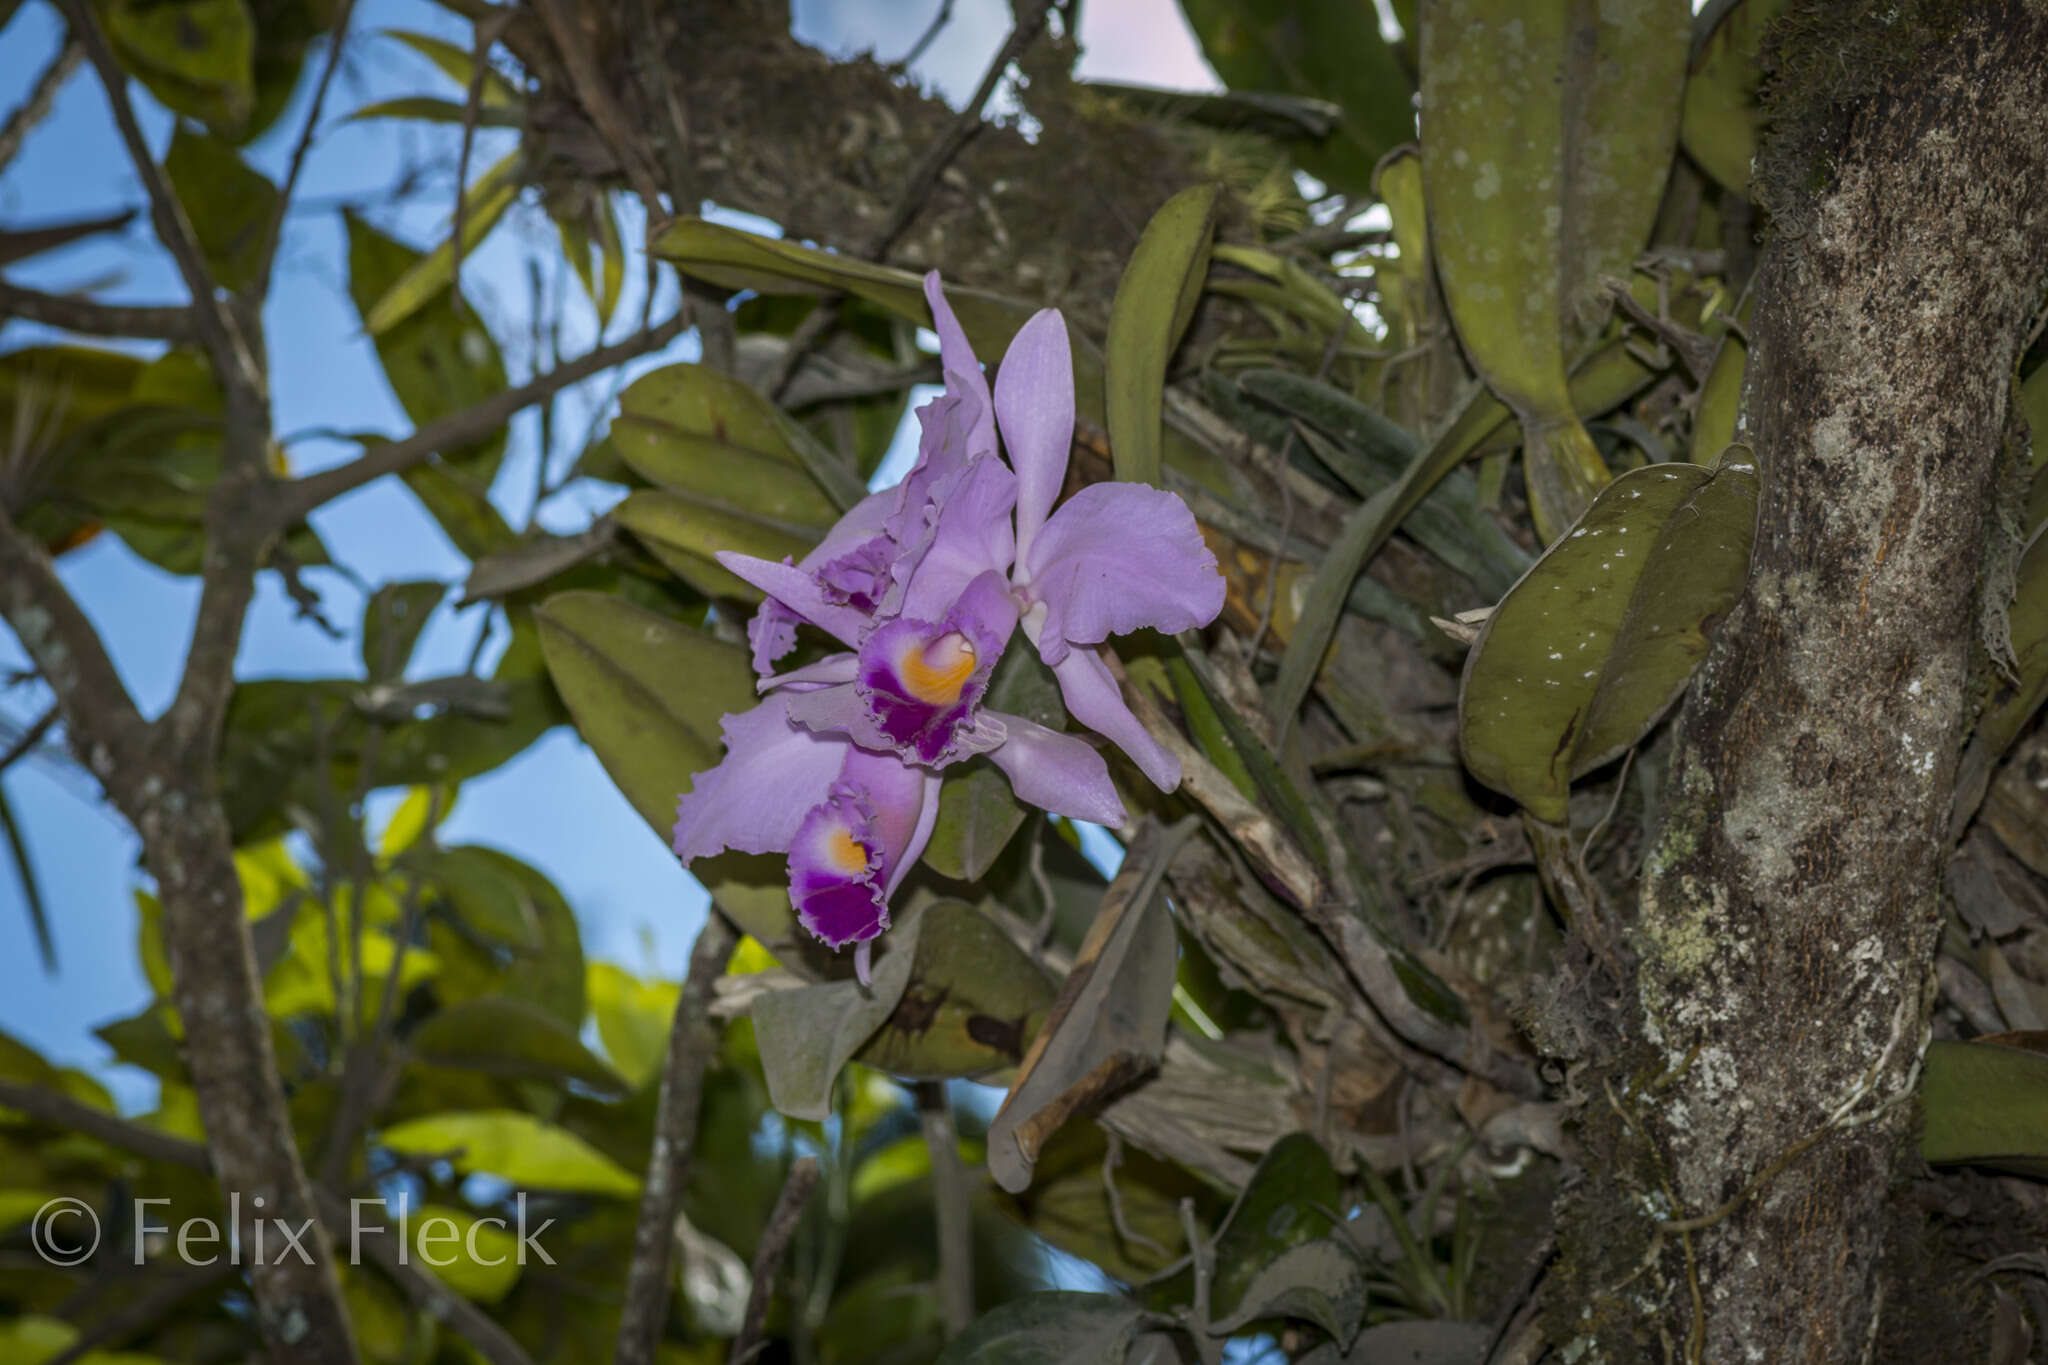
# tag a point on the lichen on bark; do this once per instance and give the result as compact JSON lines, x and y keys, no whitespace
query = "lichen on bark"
{"x":1757,"y":1085}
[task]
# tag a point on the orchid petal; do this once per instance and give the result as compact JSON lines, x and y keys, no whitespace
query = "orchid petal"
{"x":920,"y":834}
{"x":1090,"y":692}
{"x":1035,"y":408}
{"x":957,"y":360}
{"x":972,"y":537}
{"x":1058,"y":772}
{"x":771,"y":632}
{"x":849,"y":848}
{"x":754,"y":800}
{"x":1119,"y":557}
{"x":826,"y":672}
{"x":799,"y":592}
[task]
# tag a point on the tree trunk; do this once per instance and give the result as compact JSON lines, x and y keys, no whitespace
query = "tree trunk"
{"x":1744,"y":1137}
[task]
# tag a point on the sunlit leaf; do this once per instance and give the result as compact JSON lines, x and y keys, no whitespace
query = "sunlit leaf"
{"x":1154,"y":300}
{"x":516,"y":1147}
{"x":196,"y":56}
{"x":633,"y":1019}
{"x":483,"y":204}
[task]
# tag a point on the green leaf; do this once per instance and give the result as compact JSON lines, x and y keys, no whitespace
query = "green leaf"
{"x":440,"y":360}
{"x":1154,"y":300}
{"x":807,"y":1034}
{"x":422,"y":808}
{"x":1055,"y":1327}
{"x":973,"y":1002}
{"x":1325,"y":51}
{"x":1602,"y":634}
{"x":1322,"y":1281}
{"x":483,"y":204}
{"x":978,"y":813}
{"x":2015,"y":701}
{"x":477,"y":1258}
{"x":228,"y":203}
{"x":1436,"y":1341}
{"x":392,"y":621}
{"x":461,"y":507}
{"x":1722,"y":111}
{"x":1986,"y":1102}
{"x":488,"y":901}
{"x":458,"y":64}
{"x":505,"y":1036}
{"x":685,"y":533}
{"x":1290,"y":1200}
{"x":196,"y":56}
{"x":616,"y":666}
{"x":430,"y":109}
{"x":692,"y":431}
{"x":515,"y":1147}
{"x":539,"y":957}
{"x":633,"y":1019}
{"x":1280,"y":117}
{"x":1547,"y":137}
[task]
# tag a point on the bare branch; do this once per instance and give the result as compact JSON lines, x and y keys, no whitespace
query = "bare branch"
{"x":218,"y":332}
{"x":692,"y":1039}
{"x":950,"y":1208}
{"x":292,"y":501}
{"x":579,"y":60}
{"x":788,"y":1212}
{"x":37,"y":106}
{"x":174,"y":323}
{"x":274,"y":233}
{"x":65,"y":1112}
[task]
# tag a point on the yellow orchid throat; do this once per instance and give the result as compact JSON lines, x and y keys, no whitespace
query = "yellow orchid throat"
{"x":937,"y":674}
{"x":847,"y":855}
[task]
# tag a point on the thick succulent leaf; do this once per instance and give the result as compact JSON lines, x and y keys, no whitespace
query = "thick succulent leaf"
{"x":516,"y":1147}
{"x":807,"y":1034}
{"x":617,"y":666}
{"x":1290,"y":1200}
{"x":228,"y":203}
{"x":973,"y":1002}
{"x":1722,"y":112}
{"x":2018,"y":697}
{"x":685,"y":533}
{"x":1586,"y":652}
{"x":1547,"y":132}
{"x":1154,"y":300}
{"x":483,"y":204}
{"x":1107,"y":1027}
{"x":503,"y":1035}
{"x":1325,"y":51}
{"x":1284,"y":118}
{"x":1987,"y":1102}
{"x":978,"y":813}
{"x":691,"y":430}
{"x":1055,"y":1327}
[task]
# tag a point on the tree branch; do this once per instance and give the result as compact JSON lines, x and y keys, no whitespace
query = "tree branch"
{"x":174,"y":323}
{"x":36,"y":107}
{"x":274,"y":233}
{"x":290,"y":503}
{"x":951,"y":1210}
{"x":216,"y":326}
{"x":48,"y":1106}
{"x":788,"y":1212}
{"x":692,"y":1039}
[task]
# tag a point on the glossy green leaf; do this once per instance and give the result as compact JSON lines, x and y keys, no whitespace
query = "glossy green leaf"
{"x":1154,"y":300}
{"x":461,"y":506}
{"x":477,"y":1258}
{"x":516,"y":1147}
{"x":693,"y":431}
{"x":196,"y":56}
{"x":1055,"y":1327}
{"x":1601,"y":635}
{"x":686,"y":533}
{"x":422,"y":809}
{"x":483,"y":204}
{"x":972,"y":1004}
{"x":228,"y":203}
{"x":1548,"y":130}
{"x":1330,"y":51}
{"x":487,"y":900}
{"x":502,"y":1035}
{"x":1985,"y":1102}
{"x":1722,"y":111}
{"x":542,"y":964}
{"x":392,"y":621}
{"x":807,"y":1034}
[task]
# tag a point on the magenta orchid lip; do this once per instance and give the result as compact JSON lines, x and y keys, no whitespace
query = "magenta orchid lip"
{"x":924,"y":584}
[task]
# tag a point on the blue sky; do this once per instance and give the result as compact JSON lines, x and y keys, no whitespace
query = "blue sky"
{"x":553,"y":805}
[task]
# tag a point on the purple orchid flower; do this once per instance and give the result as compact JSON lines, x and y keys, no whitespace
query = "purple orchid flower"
{"x":924,"y":584}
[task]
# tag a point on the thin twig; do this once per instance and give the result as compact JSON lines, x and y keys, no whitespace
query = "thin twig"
{"x":293,"y":500}
{"x":1113,"y":1157}
{"x":951,"y":1210}
{"x":273,"y":233}
{"x":789,"y":1211}
{"x":29,"y":738}
{"x":215,"y":324}
{"x":170,"y":323}
{"x":1203,"y":1259}
{"x":931,"y":31}
{"x":691,"y":1040}
{"x":422,"y":1288}
{"x":484,"y":36}
{"x":37,"y":106}
{"x":595,"y":96}
{"x":62,"y":1111}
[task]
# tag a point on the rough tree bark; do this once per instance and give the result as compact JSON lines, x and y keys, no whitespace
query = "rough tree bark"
{"x":1745,"y":1136}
